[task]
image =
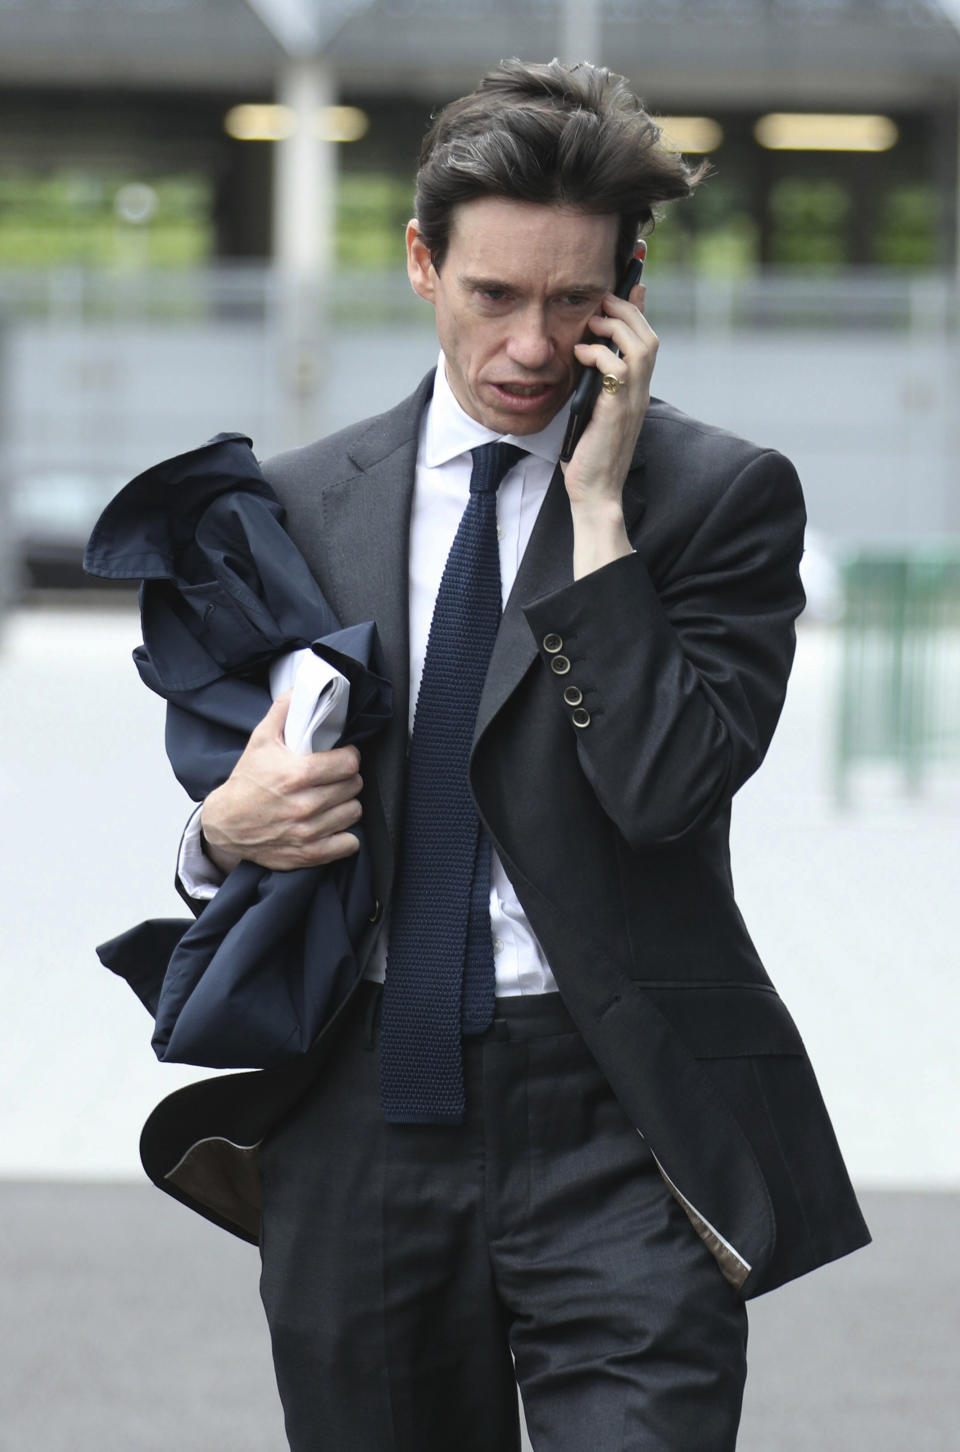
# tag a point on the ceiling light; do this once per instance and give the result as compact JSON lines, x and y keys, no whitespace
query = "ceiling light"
{"x":810,"y":131}
{"x":342,"y":123}
{"x":277,"y":123}
{"x":260,"y":123}
{"x":690,"y":134}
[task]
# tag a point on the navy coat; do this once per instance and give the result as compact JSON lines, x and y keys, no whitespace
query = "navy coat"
{"x":251,"y":982}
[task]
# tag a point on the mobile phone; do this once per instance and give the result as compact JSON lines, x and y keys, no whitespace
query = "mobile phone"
{"x":585,"y":393}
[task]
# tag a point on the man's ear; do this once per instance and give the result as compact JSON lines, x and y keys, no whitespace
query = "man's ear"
{"x":420,"y":268}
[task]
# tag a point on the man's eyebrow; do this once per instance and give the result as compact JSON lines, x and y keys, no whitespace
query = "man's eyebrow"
{"x":497,"y":284}
{"x":468,"y":280}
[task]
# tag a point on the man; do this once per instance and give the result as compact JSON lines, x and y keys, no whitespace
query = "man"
{"x":578,"y":1179}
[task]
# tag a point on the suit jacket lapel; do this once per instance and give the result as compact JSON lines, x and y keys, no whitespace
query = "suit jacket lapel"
{"x":547,"y":565}
{"x":365,"y":523}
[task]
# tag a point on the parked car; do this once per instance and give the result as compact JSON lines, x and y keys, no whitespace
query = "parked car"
{"x":9,"y":554}
{"x":52,"y":516}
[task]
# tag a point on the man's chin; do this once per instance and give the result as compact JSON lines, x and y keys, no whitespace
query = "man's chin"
{"x":519,"y":427}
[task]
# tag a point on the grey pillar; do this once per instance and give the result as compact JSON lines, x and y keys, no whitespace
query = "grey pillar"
{"x":305,"y":175}
{"x":303,"y":246}
{"x":580,"y":36}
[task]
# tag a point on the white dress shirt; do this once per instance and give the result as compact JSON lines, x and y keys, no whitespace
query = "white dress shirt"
{"x":441,"y":491}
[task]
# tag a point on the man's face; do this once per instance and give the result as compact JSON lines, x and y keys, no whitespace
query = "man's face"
{"x":512,"y":296}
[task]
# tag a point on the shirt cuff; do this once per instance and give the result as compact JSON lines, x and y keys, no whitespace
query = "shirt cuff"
{"x":199,"y":877}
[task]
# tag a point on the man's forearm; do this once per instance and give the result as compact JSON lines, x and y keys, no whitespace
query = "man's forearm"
{"x":599,"y":535}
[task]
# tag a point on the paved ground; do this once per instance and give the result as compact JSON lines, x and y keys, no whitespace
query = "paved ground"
{"x":129,"y":1325}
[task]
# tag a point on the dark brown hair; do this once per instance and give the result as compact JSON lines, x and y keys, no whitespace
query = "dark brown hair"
{"x":556,"y":134}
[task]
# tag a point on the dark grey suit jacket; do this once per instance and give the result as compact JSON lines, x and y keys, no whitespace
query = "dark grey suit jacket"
{"x":613,"y":831}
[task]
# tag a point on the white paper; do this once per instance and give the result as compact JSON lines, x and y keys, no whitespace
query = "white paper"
{"x":315,"y":722}
{"x":318,"y":706}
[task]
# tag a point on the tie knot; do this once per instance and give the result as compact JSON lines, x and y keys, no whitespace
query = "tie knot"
{"x":490,"y":463}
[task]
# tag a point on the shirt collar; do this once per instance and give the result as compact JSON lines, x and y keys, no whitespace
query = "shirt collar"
{"x":450,"y":432}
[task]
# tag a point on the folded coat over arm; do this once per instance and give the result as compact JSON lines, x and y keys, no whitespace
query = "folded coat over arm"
{"x":224,"y":593}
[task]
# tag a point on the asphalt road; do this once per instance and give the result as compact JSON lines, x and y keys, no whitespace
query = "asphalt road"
{"x":130,"y":1325}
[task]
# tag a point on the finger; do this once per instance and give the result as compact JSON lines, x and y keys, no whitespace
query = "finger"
{"x":317,"y":768}
{"x":339,"y":819}
{"x":319,"y":854}
{"x":315,"y":852}
{"x":618,"y":307}
{"x":638,"y":296}
{"x":606,"y":360}
{"x":271,"y":726}
{"x":309,"y":803}
{"x":307,"y":827}
{"x":625,"y":354}
{"x":592,"y":355}
{"x":340,"y":844}
{"x":627,"y":327}
{"x":616,"y":338}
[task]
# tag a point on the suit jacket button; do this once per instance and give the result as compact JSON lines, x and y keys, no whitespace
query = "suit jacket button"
{"x":581,"y":717}
{"x":552,"y":643}
{"x":559,"y":665}
{"x":377,"y":911}
{"x":573,"y":695}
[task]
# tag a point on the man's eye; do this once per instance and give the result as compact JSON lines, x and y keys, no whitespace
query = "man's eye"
{"x":493,"y":294}
{"x":577,"y":299}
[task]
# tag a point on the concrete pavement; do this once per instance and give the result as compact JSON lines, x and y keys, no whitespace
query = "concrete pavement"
{"x":130,"y":1325}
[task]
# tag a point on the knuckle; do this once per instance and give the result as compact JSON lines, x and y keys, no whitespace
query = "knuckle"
{"x":300,"y":813}
{"x":303,"y":830}
{"x":325,"y":766}
{"x":287,"y":778}
{"x":327,"y":851}
{"x":340,"y":817}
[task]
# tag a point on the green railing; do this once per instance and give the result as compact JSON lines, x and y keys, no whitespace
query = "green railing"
{"x":900,"y":672}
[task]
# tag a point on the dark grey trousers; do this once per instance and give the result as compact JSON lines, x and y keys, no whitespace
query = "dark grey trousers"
{"x":413,"y":1275}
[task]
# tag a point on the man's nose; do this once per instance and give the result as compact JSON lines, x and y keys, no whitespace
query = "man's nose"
{"x":530,"y":343}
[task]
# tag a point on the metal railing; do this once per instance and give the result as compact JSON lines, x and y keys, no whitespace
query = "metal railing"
{"x":860,"y":300}
{"x":899,"y":698}
{"x":854,"y":375}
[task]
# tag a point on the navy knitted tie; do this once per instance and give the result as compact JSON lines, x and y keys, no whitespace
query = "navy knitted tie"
{"x":440,"y":975}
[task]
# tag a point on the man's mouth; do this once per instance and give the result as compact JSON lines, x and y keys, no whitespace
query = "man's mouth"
{"x":522,"y":395}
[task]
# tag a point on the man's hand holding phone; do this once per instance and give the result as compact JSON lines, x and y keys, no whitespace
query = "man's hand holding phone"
{"x":618,"y":368}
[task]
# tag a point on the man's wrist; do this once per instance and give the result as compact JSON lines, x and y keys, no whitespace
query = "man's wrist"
{"x":599,"y":535}
{"x":224,"y":860}
{"x":198,"y":877}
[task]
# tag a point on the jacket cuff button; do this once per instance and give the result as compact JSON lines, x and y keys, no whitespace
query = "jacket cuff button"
{"x":581,"y":717}
{"x":552,"y":643}
{"x":573,"y":696}
{"x":559,"y":665}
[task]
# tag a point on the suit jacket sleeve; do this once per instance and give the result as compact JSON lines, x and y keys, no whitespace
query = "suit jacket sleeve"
{"x":682,"y":657}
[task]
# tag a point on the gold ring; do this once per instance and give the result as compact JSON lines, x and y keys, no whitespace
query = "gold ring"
{"x":611,"y":383}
